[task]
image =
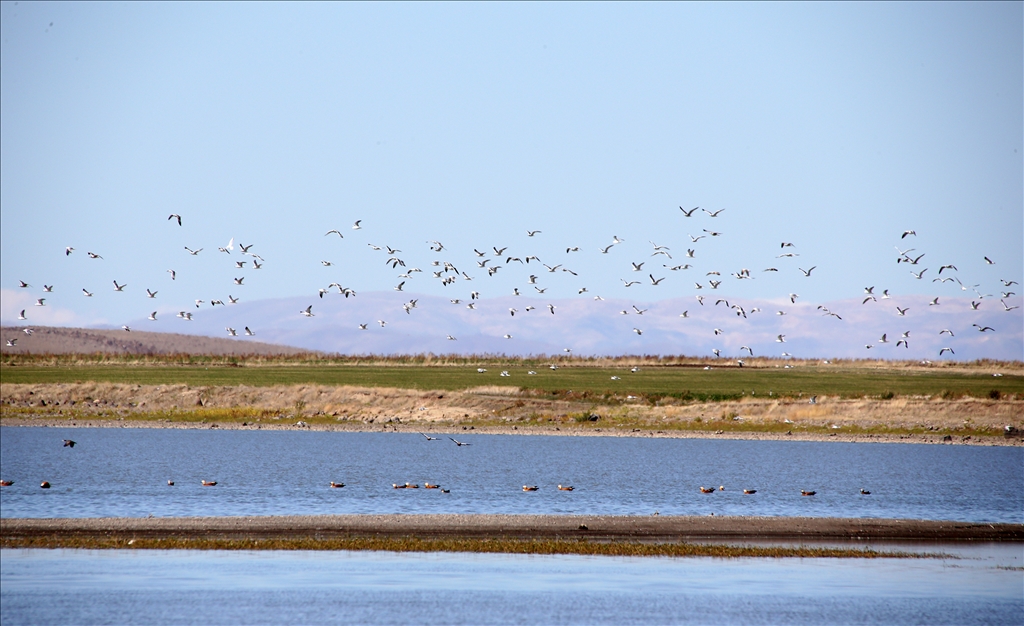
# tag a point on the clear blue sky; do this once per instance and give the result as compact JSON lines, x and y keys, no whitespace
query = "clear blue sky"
{"x":832,"y":126}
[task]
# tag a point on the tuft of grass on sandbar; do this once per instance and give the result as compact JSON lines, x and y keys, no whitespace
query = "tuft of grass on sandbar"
{"x":487,"y":546}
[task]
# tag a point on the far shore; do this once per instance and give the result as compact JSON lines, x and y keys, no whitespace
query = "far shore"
{"x":525,"y":430}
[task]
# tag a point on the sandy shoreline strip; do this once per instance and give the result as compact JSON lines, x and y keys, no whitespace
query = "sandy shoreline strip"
{"x":663,"y":528}
{"x":563,"y":431}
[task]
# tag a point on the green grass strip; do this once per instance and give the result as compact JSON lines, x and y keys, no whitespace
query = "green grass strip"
{"x":655,"y":384}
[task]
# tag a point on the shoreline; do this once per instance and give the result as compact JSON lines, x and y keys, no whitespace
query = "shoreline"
{"x":447,"y":532}
{"x":523,"y":430}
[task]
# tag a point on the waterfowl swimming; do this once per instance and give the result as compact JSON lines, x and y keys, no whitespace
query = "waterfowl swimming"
{"x":529,"y":488}
{"x":750,"y":492}
{"x":209,"y":483}
{"x":335,"y":485}
{"x":865,"y":492}
{"x":707,"y":490}
{"x":69,"y":444}
{"x":807,"y":493}
{"x":44,"y":485}
{"x":170,"y":483}
{"x":566,"y":488}
{"x":430,"y":486}
{"x":6,"y":483}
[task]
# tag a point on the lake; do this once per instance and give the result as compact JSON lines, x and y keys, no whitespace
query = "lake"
{"x":83,"y":587}
{"x":123,"y":472}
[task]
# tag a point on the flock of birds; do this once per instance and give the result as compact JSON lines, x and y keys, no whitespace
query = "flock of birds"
{"x":537,"y":276}
{"x":68,"y":443}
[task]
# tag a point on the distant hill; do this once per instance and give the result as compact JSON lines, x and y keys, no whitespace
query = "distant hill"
{"x":52,"y":340}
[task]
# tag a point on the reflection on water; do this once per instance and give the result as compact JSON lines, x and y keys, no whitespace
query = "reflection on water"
{"x":87,"y":587}
{"x":123,"y":472}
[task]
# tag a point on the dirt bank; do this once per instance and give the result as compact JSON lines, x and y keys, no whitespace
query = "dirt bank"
{"x":504,"y":410}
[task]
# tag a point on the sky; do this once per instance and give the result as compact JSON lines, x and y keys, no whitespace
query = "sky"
{"x":835,"y":127}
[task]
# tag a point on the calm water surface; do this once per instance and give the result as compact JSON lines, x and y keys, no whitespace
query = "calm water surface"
{"x":184,"y":587}
{"x":123,"y":472}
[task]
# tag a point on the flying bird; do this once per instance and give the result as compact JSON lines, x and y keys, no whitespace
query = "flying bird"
{"x":356,"y":226}
{"x":713,"y":214}
{"x":690,"y":212}
{"x":807,"y":272}
{"x":88,"y":294}
{"x":308,"y":311}
{"x":908,"y":232}
{"x":335,"y":231}
{"x":152,"y":316}
{"x":151,"y":294}
{"x":193,"y":252}
{"x":93,"y":255}
{"x":175,"y":216}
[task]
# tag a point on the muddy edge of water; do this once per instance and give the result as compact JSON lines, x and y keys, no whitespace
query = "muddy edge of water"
{"x":610,"y":528}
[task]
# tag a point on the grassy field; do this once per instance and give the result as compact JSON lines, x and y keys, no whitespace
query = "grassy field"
{"x":570,"y":380}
